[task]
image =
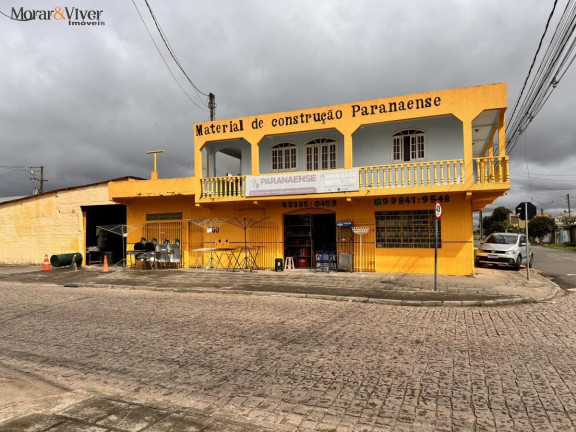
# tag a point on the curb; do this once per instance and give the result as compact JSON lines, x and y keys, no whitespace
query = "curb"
{"x":507,"y":301}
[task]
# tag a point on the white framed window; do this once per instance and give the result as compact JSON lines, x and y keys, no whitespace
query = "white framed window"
{"x":284,"y":157}
{"x":321,"y":154}
{"x":409,"y":146}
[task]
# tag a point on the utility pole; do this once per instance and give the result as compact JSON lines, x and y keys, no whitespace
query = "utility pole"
{"x":212,"y":106}
{"x":40,"y":180}
{"x":33,"y":178}
{"x":481,"y":227}
{"x":527,"y":242}
{"x":41,"y":190}
{"x":568,"y":198}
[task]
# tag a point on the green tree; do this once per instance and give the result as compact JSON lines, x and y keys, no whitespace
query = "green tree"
{"x":500,"y":214}
{"x":540,"y":227}
{"x":497,"y":221}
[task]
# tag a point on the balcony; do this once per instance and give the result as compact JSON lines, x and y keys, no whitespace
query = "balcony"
{"x":449,"y":175}
{"x":223,"y":187}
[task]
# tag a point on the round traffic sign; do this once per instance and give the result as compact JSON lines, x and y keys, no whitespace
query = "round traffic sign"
{"x":438,"y":210}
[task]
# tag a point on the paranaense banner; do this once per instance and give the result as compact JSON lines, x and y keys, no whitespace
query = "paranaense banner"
{"x":302,"y":183}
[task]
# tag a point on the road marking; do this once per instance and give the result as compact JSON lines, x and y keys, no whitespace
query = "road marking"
{"x":570,"y":274}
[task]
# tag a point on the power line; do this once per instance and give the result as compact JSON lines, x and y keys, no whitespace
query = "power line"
{"x":34,"y":178}
{"x":535,"y":57}
{"x":530,"y":177}
{"x":170,"y":50}
{"x":553,"y":65}
{"x":183,"y":162}
{"x":526,"y":186}
{"x":163,"y":59}
{"x":545,"y":175}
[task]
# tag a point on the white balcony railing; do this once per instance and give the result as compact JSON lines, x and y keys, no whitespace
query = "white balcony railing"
{"x":487,"y":170}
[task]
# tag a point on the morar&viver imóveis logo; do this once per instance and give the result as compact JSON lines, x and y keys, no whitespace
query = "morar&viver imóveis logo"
{"x":72,"y":15}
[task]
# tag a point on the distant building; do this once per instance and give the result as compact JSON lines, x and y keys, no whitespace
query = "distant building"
{"x":516,"y":222}
{"x":563,"y":234}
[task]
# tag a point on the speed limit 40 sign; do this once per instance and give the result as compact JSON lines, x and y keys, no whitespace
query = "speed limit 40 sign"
{"x":438,"y":210}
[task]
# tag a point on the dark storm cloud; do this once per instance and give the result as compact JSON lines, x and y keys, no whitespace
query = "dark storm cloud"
{"x":87,"y":103}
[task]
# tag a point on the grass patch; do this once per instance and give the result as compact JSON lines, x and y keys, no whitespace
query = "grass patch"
{"x":560,"y":247}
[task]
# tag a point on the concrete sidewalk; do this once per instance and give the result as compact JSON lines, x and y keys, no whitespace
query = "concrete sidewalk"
{"x":490,"y":286}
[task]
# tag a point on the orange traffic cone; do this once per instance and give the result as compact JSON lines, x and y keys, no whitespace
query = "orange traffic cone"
{"x":105,"y":268}
{"x":74,"y":266}
{"x":46,"y":266}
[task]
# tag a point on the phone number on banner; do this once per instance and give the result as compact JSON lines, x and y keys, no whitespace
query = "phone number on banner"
{"x":308,"y":204}
{"x":424,"y":199}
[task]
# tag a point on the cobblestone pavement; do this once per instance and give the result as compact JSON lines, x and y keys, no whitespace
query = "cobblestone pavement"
{"x":301,"y":363}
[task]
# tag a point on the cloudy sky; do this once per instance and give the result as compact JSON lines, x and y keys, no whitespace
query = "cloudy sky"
{"x":88,"y":102}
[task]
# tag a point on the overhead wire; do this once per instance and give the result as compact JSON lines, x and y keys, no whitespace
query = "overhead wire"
{"x":541,"y":189}
{"x":171,"y":50}
{"x":546,"y":175}
{"x":15,"y":168}
{"x":526,"y":156}
{"x":547,"y":179}
{"x":535,"y":57}
{"x":556,"y":60}
{"x":164,"y":60}
{"x":183,"y":162}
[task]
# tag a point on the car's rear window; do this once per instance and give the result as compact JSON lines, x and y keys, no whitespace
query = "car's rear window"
{"x":502,"y":239}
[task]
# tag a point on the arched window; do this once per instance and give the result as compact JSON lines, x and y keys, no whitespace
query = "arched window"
{"x":321,"y":154}
{"x":284,"y":157}
{"x":409,"y":145}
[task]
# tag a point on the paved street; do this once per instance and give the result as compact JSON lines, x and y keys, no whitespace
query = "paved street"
{"x":559,"y":265}
{"x":301,"y":363}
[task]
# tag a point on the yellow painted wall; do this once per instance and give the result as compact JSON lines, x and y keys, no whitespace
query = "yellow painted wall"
{"x":455,"y":255}
{"x":50,"y":223}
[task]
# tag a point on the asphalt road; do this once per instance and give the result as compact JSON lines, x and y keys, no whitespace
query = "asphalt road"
{"x":301,"y":363}
{"x":560,"y":266}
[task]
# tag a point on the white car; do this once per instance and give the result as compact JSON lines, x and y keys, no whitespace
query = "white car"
{"x":505,"y":249}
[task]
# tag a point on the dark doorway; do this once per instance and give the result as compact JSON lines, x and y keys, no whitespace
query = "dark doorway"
{"x":324,"y":233}
{"x":306,"y":235}
{"x":103,"y":240}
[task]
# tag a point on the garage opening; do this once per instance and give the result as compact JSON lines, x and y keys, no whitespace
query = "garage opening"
{"x":307,"y":236}
{"x":100,"y":242}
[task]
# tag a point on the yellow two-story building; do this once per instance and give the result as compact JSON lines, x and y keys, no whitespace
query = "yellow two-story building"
{"x":303,"y":185}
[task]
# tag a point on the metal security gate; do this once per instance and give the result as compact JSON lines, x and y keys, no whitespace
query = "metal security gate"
{"x":265,"y":237}
{"x":161,"y":231}
{"x":349,"y":243}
